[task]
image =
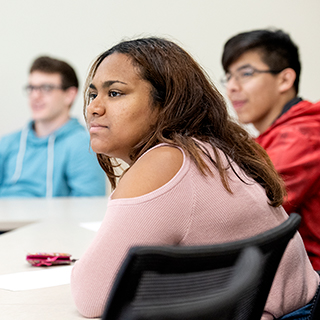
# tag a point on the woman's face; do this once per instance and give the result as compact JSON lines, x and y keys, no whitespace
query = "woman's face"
{"x":121,"y":111}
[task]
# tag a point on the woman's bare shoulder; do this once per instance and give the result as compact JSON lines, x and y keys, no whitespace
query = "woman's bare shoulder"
{"x":150,"y":172}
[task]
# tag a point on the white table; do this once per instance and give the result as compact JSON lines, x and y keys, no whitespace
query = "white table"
{"x":43,"y":225}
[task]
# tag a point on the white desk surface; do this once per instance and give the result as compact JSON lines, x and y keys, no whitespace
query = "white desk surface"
{"x":43,"y":225}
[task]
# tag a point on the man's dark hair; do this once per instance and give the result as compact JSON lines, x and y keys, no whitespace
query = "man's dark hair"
{"x":277,"y":50}
{"x":50,"y":65}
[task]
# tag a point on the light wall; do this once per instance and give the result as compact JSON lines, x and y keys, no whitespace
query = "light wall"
{"x":78,"y":30}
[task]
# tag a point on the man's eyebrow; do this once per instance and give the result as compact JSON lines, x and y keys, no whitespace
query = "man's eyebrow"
{"x":248,"y":65}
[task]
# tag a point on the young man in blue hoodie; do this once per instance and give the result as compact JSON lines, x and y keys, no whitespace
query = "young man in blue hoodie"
{"x":51,"y":156}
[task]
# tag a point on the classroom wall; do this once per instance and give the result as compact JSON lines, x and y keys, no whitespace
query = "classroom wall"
{"x":78,"y":30}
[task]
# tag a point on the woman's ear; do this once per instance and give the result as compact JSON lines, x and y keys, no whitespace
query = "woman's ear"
{"x":286,"y":79}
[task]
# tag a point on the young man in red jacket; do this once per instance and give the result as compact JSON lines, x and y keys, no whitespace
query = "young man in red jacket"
{"x":262,"y":71}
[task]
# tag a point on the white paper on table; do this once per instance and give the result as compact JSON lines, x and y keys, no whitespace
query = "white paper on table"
{"x":93,"y":226}
{"x":51,"y":277}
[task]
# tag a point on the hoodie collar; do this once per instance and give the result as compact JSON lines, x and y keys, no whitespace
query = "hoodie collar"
{"x":63,"y":130}
{"x":288,"y":106}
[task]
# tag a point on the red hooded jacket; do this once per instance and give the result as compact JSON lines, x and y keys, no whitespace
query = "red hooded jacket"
{"x":293,"y":144}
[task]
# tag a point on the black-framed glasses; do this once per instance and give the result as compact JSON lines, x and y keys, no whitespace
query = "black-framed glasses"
{"x":244,"y":74}
{"x":43,"y":89}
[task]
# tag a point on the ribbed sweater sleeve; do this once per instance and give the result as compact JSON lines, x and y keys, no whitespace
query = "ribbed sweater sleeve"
{"x":160,"y":217}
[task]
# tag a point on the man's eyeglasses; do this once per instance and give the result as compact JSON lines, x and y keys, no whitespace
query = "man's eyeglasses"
{"x":43,"y":89}
{"x":244,"y":74}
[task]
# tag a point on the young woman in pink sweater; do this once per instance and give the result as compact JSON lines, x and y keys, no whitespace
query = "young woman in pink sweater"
{"x":195,"y":177}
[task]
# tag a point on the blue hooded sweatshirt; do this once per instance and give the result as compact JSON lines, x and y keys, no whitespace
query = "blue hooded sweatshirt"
{"x":59,"y":165}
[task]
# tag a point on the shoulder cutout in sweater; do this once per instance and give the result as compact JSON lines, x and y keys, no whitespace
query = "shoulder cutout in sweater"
{"x":153,"y":170}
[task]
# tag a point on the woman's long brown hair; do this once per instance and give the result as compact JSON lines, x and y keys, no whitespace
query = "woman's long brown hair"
{"x":190,"y":109}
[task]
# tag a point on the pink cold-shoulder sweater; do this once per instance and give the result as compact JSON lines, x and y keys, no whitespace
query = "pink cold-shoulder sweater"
{"x":191,"y":209}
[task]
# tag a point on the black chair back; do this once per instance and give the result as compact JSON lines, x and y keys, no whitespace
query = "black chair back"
{"x":177,"y":282}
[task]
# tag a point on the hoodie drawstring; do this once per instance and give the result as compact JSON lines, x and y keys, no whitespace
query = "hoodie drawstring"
{"x":50,"y":162}
{"x":22,"y":149}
